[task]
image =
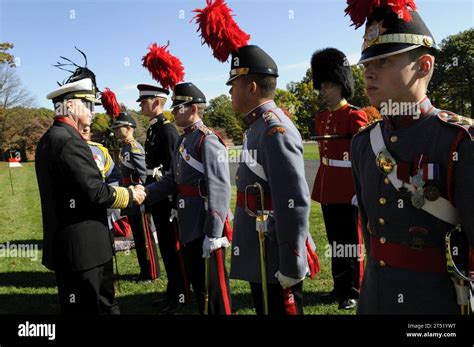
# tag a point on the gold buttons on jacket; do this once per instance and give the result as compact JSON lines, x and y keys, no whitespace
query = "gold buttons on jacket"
{"x":381,"y":221}
{"x":383,"y":240}
{"x":382,"y":201}
{"x":386,"y":180}
{"x":381,"y":263}
{"x":393,"y":139}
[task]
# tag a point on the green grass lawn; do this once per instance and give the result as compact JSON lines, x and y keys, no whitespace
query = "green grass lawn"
{"x":310,"y":151}
{"x":27,"y":287}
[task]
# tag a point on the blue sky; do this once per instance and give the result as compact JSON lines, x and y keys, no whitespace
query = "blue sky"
{"x":115,"y":35}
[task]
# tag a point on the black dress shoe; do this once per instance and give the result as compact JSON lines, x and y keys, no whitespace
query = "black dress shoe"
{"x":161,"y":303}
{"x":347,"y":304}
{"x":331,"y":294}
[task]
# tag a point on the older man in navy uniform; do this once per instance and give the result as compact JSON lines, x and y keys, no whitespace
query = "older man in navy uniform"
{"x":271,"y":226}
{"x":333,"y":187}
{"x":200,"y":178}
{"x":413,"y":174}
{"x":133,"y":168}
{"x":160,"y":142}
{"x":74,"y":200}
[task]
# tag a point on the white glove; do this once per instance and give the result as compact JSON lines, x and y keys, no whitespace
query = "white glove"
{"x":354,"y":201}
{"x":157,"y":172}
{"x":211,"y":244}
{"x":285,"y":281}
{"x":173,"y":214}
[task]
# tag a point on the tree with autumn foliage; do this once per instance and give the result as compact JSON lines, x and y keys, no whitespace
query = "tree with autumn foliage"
{"x":452,"y":85}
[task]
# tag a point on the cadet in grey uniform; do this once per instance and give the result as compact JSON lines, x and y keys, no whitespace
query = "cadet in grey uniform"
{"x":133,"y":168}
{"x":200,"y":177}
{"x":272,"y":193}
{"x":413,"y":175}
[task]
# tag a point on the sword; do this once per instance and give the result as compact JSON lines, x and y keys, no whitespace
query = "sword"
{"x":261,"y":219}
{"x":459,"y":276}
{"x":144,"y":226}
{"x":117,"y":273}
{"x":333,"y":137}
{"x":206,"y":286}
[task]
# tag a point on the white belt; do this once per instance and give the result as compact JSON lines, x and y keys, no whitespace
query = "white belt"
{"x":440,"y":208}
{"x":336,"y":163}
{"x":251,"y":163}
{"x":194,"y":163}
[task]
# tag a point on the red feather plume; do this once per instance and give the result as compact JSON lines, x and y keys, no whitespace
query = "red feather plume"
{"x":219,"y":30}
{"x":359,"y":10}
{"x":110,"y":103}
{"x":163,"y":66}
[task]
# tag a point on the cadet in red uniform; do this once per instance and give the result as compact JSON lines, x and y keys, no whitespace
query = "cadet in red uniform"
{"x":333,"y":187}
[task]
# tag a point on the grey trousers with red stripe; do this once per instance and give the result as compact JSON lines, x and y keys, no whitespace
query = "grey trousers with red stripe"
{"x":219,"y":289}
{"x":281,"y":302}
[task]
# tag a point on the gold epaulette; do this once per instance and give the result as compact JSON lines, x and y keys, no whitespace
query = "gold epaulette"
{"x":135,"y":148}
{"x":368,"y":126}
{"x":205,"y":130}
{"x":451,"y":118}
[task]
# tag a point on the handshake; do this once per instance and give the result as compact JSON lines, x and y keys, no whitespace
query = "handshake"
{"x":139,"y":194}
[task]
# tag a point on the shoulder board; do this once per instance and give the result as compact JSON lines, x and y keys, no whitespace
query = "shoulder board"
{"x":274,"y":123}
{"x":368,"y":126}
{"x":163,"y":120}
{"x":205,"y":130}
{"x":135,"y":147}
{"x":453,"y":119}
{"x":270,"y":117}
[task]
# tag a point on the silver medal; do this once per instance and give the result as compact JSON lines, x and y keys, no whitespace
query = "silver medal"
{"x":417,"y":180}
{"x":417,"y":199}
